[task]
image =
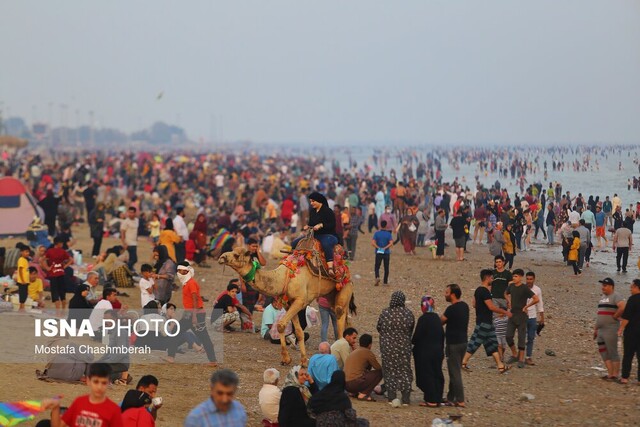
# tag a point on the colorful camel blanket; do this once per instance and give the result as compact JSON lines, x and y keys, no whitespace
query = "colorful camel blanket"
{"x":300,"y":258}
{"x":219,"y":240}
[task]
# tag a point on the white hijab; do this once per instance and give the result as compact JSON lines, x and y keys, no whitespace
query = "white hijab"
{"x":184,"y":278}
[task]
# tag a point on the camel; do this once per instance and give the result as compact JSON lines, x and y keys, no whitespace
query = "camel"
{"x":399,"y":207}
{"x":300,"y":290}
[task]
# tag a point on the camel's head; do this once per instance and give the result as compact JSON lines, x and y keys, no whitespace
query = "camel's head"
{"x":236,"y":259}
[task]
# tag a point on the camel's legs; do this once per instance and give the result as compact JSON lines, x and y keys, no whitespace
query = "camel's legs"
{"x":341,"y":308}
{"x":284,"y":354}
{"x":300,"y":337}
{"x":292,"y":312}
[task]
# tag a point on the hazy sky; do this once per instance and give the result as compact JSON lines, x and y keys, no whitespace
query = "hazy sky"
{"x":333,"y":71}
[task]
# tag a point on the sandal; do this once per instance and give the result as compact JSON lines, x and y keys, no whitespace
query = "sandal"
{"x":428,"y":405}
{"x":366,"y":398}
{"x":460,"y":405}
{"x":623,"y":381}
{"x":504,"y":368}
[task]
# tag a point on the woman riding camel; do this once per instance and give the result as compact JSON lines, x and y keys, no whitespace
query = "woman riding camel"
{"x":323,"y":222}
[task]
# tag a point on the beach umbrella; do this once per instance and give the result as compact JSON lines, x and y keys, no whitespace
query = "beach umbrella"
{"x":13,"y":413}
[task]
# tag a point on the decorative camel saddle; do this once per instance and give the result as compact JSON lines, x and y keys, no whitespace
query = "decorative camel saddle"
{"x":309,"y":252}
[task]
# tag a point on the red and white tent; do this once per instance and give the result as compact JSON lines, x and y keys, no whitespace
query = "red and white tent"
{"x":17,"y":207}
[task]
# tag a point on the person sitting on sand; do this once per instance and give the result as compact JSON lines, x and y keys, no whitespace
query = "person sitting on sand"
{"x":244,"y":313}
{"x":295,"y":395}
{"x":119,"y":363}
{"x":332,"y":407}
{"x":269,"y":396}
{"x":36,"y":288}
{"x":135,"y":409}
{"x":342,"y":348}
{"x":269,"y":317}
{"x":362,"y":369}
{"x":149,"y":384}
{"x":230,"y":313}
{"x":322,"y":365}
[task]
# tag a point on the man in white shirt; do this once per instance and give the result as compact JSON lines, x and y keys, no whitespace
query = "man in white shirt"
{"x":93,"y":280}
{"x":181,"y":230}
{"x":534,"y":311}
{"x":574,"y":217}
{"x":219,"y":181}
{"x":109,"y":295}
{"x":269,"y":396}
{"x":129,"y":236}
{"x":342,"y":348}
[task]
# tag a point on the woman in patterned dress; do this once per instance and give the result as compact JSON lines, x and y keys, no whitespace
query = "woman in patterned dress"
{"x":395,"y":326}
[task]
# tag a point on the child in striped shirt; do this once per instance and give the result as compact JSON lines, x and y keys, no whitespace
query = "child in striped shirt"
{"x":500,"y":324}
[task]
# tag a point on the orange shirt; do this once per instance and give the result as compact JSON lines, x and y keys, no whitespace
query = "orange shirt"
{"x":345,"y":218}
{"x":190,"y":288}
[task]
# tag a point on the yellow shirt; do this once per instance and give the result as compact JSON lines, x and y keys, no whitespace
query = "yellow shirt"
{"x":23,"y":270}
{"x":35,"y":289}
{"x":169,"y":238}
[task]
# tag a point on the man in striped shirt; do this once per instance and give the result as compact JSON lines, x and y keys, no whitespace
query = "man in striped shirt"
{"x":221,"y":410}
{"x":610,"y":308}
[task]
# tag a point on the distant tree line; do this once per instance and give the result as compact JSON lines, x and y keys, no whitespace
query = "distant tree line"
{"x":159,"y":133}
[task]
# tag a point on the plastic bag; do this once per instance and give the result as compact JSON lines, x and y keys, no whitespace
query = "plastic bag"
{"x":274,"y":328}
{"x":312,"y":316}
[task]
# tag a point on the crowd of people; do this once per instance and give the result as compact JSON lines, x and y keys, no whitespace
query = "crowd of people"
{"x":193,"y":208}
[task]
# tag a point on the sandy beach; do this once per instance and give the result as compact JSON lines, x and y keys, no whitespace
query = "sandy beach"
{"x":568,"y":388}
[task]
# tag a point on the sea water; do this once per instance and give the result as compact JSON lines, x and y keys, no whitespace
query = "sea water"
{"x":606,"y":180}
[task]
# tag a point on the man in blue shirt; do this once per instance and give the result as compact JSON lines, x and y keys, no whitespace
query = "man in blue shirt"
{"x":601,"y":219}
{"x":221,"y":410}
{"x":269,"y":317}
{"x":322,"y":365}
{"x":382,"y":241}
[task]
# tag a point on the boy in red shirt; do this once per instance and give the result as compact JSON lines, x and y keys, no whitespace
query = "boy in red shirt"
{"x":54,"y":262}
{"x":92,"y":409}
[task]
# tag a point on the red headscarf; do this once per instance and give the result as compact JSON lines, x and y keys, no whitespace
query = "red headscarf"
{"x":201,"y":224}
